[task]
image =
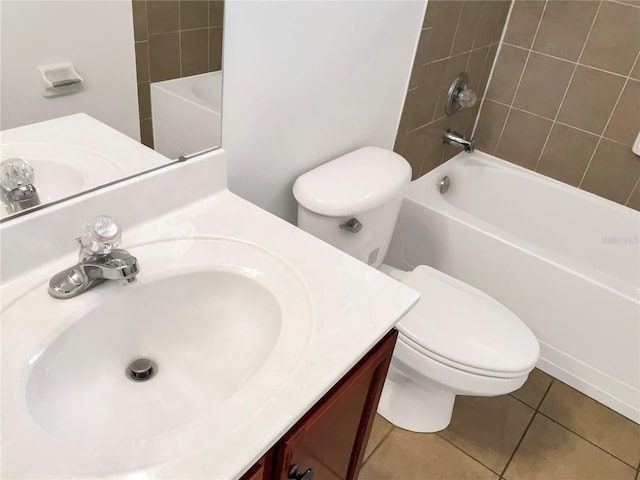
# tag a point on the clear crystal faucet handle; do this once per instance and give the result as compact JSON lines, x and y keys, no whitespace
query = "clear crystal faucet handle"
{"x":467,"y":98}
{"x":99,"y":236}
{"x":15,"y":172}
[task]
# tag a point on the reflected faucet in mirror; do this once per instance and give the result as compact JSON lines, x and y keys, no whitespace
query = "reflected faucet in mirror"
{"x":17,"y":189}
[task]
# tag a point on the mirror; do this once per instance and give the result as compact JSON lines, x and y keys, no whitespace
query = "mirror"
{"x":82,"y":80}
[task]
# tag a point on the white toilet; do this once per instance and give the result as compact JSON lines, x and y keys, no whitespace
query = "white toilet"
{"x":456,"y":340}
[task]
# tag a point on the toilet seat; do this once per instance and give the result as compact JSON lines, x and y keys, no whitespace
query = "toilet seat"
{"x":457,"y":366}
{"x":466,"y":329}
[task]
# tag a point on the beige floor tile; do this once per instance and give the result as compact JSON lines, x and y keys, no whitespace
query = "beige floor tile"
{"x":534,"y":388}
{"x":380,"y":428}
{"x":595,"y":422}
{"x":488,"y":428}
{"x":550,"y":451}
{"x":407,"y":455}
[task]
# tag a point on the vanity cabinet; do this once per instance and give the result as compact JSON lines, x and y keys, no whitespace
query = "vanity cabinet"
{"x":262,"y":469}
{"x":328,"y":443}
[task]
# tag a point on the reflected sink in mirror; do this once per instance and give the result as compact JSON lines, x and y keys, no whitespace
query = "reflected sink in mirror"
{"x":74,"y":154}
{"x":62,"y":170}
{"x":224,"y":323}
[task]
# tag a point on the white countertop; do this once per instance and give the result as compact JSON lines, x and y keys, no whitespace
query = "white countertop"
{"x":354,"y":306}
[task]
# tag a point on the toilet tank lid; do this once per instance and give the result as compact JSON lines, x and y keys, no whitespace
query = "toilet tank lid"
{"x":353,"y":183}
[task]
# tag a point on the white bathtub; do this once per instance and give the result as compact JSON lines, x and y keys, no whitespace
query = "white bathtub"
{"x":186,"y":114}
{"x":565,"y":261}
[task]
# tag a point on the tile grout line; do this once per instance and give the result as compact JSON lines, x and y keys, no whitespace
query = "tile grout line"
{"x":585,"y":439}
{"x":626,"y":203}
{"x":382,"y":440}
{"x":504,"y":470}
{"x":553,"y":380}
{"x":624,"y":86}
{"x":567,"y":428}
{"x":533,"y":40}
{"x":209,"y":38}
{"x":179,"y":39}
{"x":558,"y":122}
{"x":536,"y":411}
{"x":604,"y":129}
{"x":483,"y":94}
{"x":566,"y":91}
{"x":487,"y":66}
{"x":475,"y":35}
{"x":580,"y":64}
{"x":634,"y":5}
{"x":455,"y":33}
{"x":157,"y":34}
{"x":633,"y":66}
{"x":464,"y":452}
{"x":146,"y":22}
{"x":471,"y":50}
{"x":495,"y":61}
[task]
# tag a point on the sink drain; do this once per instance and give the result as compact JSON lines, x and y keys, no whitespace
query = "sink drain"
{"x":141,"y":369}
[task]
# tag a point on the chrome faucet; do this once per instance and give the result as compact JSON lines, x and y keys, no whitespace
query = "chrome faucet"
{"x":99,"y":261}
{"x":17,"y":191}
{"x":456,"y":139}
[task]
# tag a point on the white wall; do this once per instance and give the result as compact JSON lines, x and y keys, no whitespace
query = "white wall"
{"x":307,"y":81}
{"x":96,"y":36}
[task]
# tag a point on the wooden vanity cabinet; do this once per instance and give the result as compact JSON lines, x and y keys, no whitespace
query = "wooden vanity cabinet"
{"x":262,"y":469}
{"x":331,"y":438}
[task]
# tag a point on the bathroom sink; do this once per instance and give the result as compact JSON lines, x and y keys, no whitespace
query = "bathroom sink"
{"x":222,"y":322}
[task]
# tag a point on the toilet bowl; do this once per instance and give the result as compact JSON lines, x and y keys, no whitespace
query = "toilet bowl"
{"x":456,"y":340}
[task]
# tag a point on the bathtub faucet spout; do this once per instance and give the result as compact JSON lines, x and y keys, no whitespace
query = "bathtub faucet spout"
{"x":456,"y":139}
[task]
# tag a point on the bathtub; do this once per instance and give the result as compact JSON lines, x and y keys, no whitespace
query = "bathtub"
{"x":186,"y":114}
{"x":565,"y":261}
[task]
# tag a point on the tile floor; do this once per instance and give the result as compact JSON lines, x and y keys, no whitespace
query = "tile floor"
{"x":546,"y":430}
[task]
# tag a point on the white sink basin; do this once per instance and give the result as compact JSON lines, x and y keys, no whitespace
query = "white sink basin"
{"x":225,"y":323}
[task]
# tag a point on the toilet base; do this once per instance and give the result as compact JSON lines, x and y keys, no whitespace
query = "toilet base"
{"x":419,"y":392}
{"x":423,"y":406}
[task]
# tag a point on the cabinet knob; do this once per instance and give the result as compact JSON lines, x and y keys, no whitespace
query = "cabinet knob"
{"x":296,"y":475}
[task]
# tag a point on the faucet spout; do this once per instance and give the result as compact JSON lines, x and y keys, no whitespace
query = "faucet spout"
{"x":99,"y":261}
{"x":118,"y":265}
{"x":92,"y":271}
{"x":451,"y":137}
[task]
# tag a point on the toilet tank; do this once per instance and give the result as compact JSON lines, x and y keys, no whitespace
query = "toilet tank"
{"x":353,"y":202}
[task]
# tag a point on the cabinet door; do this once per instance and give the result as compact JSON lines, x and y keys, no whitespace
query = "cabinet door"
{"x":262,"y":469}
{"x":332,"y":437}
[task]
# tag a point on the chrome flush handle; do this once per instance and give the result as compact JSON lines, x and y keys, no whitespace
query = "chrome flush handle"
{"x":352,"y":225}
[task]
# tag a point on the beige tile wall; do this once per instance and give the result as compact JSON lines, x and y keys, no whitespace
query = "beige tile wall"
{"x":456,"y":36}
{"x":564,"y":99}
{"x":173,"y":39}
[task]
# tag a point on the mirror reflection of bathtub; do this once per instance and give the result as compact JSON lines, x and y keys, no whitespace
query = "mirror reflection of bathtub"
{"x":74,"y":154}
{"x":186,"y":114}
